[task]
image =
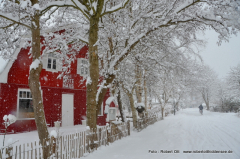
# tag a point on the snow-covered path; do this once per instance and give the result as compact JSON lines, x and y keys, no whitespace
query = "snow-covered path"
{"x":187,"y":131}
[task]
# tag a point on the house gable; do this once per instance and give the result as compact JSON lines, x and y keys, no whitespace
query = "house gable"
{"x":4,"y":71}
{"x":17,"y":72}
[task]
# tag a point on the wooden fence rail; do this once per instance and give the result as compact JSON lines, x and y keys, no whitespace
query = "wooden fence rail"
{"x":69,"y":146}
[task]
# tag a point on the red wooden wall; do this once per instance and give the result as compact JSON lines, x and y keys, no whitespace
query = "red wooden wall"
{"x":52,"y":93}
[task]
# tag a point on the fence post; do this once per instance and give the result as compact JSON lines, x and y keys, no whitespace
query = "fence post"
{"x":27,"y":151}
{"x":23,"y":150}
{"x":31,"y":150}
{"x":1,"y":153}
{"x":9,"y":152}
{"x":35,"y":149}
{"x":53,"y":145}
{"x":99,"y":137}
{"x":16,"y":152}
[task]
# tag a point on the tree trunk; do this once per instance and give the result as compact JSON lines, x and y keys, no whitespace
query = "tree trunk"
{"x":103,"y":93}
{"x":162,"y":109}
{"x":138,"y":88}
{"x":35,"y":87}
{"x":206,"y":99}
{"x":207,"y":104}
{"x":92,"y":83}
{"x":120,"y":105}
{"x":145,"y":94}
{"x":134,"y":114}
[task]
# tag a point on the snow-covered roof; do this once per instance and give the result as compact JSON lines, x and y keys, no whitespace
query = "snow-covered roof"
{"x":5,"y":65}
{"x":109,"y":100}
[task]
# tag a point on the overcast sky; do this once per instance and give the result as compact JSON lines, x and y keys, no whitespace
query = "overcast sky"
{"x":221,"y":58}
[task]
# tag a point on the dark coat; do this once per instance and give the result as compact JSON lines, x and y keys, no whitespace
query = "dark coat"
{"x":200,"y":107}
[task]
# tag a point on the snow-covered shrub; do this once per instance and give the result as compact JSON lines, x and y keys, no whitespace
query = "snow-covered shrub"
{"x":54,"y":133}
{"x":8,"y":120}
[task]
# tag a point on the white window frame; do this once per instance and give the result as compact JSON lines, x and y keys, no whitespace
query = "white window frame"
{"x":52,"y":57}
{"x":82,"y":66}
{"x":18,"y":98}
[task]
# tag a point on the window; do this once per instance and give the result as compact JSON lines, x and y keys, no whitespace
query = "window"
{"x":112,"y":114}
{"x":82,"y":67}
{"x":25,"y":105}
{"x":52,"y":62}
{"x":100,"y":113}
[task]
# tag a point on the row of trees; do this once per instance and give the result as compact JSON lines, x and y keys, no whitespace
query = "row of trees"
{"x":228,"y":96}
{"x":218,"y":95}
{"x":134,"y":45}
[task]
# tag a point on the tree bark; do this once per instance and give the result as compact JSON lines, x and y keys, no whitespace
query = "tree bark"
{"x":205,"y":98}
{"x":145,"y":93}
{"x":35,"y":87}
{"x":162,"y":110}
{"x":133,"y":109}
{"x":103,"y":92}
{"x":92,"y":83}
{"x":120,"y":104}
{"x":134,"y":114}
{"x":138,"y":88}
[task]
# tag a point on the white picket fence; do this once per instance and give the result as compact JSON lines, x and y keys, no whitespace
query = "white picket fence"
{"x":69,"y":146}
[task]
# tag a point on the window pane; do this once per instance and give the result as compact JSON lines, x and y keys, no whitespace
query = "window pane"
{"x":50,"y":55}
{"x":24,"y":95}
{"x":112,"y":114}
{"x":28,"y":94}
{"x":54,"y":64}
{"x":82,"y":71}
{"x":20,"y":94}
{"x":49,"y":63}
{"x":100,"y":111}
{"x":26,"y":108}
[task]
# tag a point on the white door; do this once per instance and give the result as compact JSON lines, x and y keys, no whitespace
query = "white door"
{"x":67,"y":110}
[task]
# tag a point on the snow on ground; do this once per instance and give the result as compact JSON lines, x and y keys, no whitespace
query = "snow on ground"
{"x":187,"y":131}
{"x":33,"y":136}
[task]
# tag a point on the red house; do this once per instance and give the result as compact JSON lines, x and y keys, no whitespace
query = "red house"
{"x":64,"y":99}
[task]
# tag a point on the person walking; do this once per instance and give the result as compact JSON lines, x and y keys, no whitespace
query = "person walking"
{"x":201,"y":109}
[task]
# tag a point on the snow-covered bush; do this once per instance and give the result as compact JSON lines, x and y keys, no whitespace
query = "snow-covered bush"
{"x":8,"y":120}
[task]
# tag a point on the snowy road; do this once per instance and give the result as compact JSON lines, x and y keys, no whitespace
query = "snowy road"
{"x":187,"y":131}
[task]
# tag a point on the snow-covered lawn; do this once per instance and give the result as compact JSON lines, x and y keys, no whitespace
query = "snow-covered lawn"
{"x":187,"y":131}
{"x":33,"y":136}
